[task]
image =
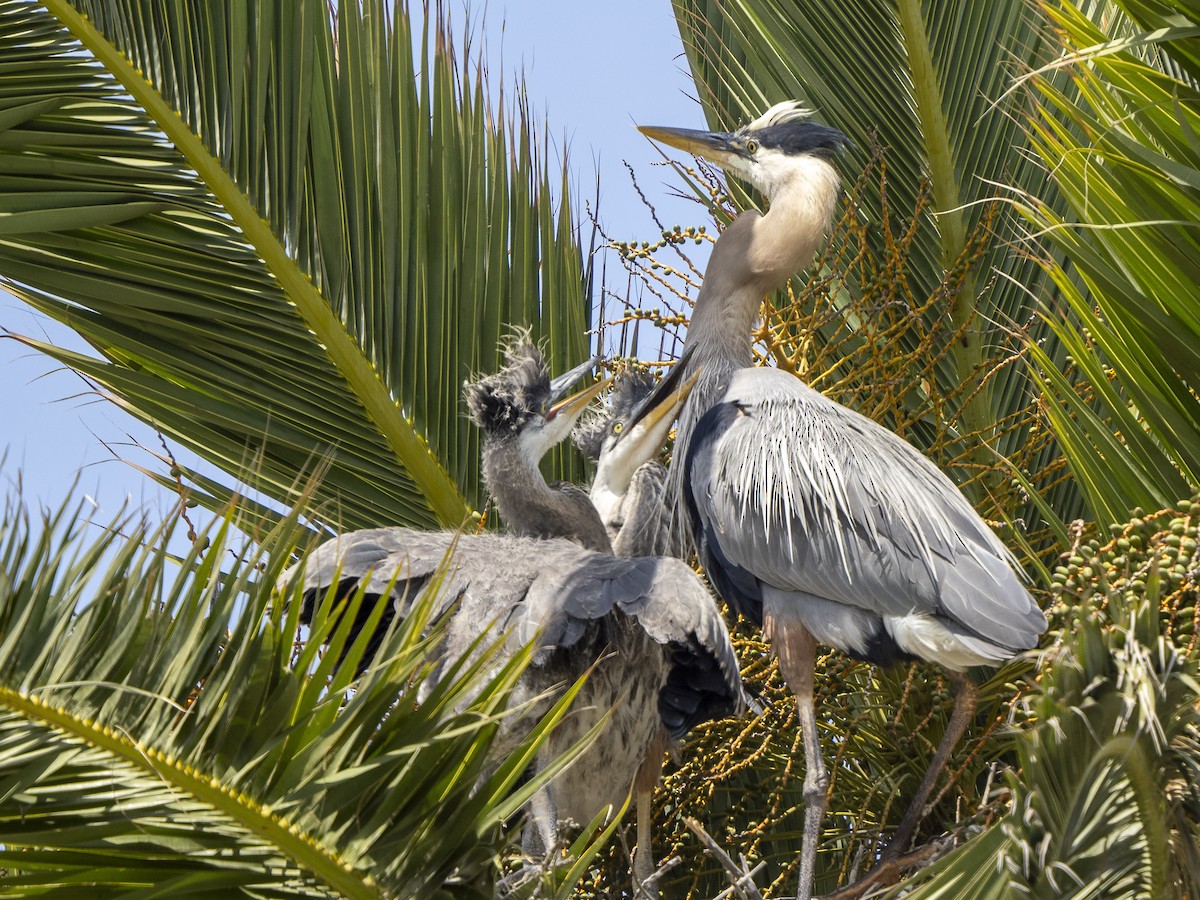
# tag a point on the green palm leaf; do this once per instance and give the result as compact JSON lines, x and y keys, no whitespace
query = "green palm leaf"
{"x":163,"y":733}
{"x":1130,"y":171}
{"x":284,"y":245}
{"x":1106,"y":805}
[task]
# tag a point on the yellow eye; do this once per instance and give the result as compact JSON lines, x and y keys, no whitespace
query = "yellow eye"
{"x":618,"y":427}
{"x":751,"y":146}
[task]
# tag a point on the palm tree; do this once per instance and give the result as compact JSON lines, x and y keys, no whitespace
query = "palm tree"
{"x":284,"y":248}
{"x":287,"y":239}
{"x":283,"y":244}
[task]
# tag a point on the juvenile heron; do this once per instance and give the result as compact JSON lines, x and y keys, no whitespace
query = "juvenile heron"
{"x":810,"y":519}
{"x":629,"y":490}
{"x":513,"y":408}
{"x":660,"y":653}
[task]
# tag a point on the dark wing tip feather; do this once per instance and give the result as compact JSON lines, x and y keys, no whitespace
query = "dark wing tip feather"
{"x":697,"y":690}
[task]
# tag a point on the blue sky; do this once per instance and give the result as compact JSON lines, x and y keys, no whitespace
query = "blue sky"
{"x":591,"y":71}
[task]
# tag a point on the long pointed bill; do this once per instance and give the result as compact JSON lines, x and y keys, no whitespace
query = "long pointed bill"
{"x":574,"y":405}
{"x":646,"y":430}
{"x":663,"y":397}
{"x":712,"y":145}
{"x":563,"y":382}
{"x":652,"y":420}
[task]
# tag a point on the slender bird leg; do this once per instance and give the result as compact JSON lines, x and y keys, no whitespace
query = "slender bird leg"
{"x":797,"y":652}
{"x":965,"y":699}
{"x":540,"y":837}
{"x":643,"y":785}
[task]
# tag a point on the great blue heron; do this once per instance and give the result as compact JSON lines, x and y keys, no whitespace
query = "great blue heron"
{"x":662,"y":658}
{"x":629,"y":489}
{"x":513,"y":409}
{"x":811,"y":519}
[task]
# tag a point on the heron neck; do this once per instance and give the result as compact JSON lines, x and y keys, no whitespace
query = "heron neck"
{"x":755,"y":255}
{"x":530,"y":506}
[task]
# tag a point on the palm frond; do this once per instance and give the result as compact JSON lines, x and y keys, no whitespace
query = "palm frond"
{"x":1130,"y":172}
{"x":286,"y":237}
{"x":160,"y":729}
{"x":1108,"y":802}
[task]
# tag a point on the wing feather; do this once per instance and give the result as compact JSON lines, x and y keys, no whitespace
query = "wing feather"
{"x":811,"y":497}
{"x":552,"y":587}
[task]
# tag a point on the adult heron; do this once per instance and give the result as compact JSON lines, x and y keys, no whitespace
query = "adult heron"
{"x":659,"y":653}
{"x":810,"y":519}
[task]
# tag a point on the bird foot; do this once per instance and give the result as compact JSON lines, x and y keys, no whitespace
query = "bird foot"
{"x":517,"y":884}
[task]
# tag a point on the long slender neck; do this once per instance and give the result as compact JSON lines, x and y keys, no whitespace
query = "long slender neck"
{"x":532,"y":507}
{"x":755,"y":255}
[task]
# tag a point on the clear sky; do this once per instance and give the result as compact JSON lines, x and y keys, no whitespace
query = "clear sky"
{"x":591,"y":70}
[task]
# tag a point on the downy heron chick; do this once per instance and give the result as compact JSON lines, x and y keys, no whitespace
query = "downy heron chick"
{"x":629,"y":490}
{"x":661,"y":656}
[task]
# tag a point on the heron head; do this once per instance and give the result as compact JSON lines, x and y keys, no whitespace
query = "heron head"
{"x":521,"y":402}
{"x":767,"y":152}
{"x":600,"y":431}
{"x":634,"y":431}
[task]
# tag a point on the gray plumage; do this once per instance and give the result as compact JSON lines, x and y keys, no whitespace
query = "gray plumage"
{"x":809,"y":518}
{"x":629,"y":489}
{"x":511,"y":407}
{"x":634,"y":518}
{"x":584,"y":604}
{"x":814,"y":499}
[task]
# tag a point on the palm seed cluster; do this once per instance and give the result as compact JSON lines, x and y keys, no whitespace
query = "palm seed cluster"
{"x":1149,"y":556}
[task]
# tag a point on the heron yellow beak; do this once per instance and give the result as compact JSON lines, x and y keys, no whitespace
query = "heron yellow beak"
{"x":712,"y":145}
{"x":662,"y":412}
{"x":574,"y":405}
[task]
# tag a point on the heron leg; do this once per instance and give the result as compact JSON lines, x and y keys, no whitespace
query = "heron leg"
{"x":540,"y":837}
{"x":643,"y":785}
{"x":966,"y":697}
{"x":796,"y":649}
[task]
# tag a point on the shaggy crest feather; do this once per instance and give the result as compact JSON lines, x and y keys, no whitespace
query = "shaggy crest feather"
{"x":506,"y":400}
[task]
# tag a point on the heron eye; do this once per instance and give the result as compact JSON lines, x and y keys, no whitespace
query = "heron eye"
{"x":751,"y":146}
{"x":618,"y":427}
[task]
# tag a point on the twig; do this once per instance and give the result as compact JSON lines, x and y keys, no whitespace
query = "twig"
{"x":741,"y":878}
{"x":648,"y":889}
{"x":887,"y":873}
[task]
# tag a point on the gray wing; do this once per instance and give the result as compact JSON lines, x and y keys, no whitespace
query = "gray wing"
{"x":805,"y":495}
{"x":672,"y":606}
{"x":551,"y":587}
{"x":373,"y":558}
{"x":641,"y":529}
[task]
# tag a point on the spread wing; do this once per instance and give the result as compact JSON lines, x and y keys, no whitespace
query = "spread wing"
{"x":557,"y":589}
{"x":791,"y":490}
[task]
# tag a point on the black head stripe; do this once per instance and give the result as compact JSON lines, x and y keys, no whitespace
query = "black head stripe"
{"x":795,"y":138}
